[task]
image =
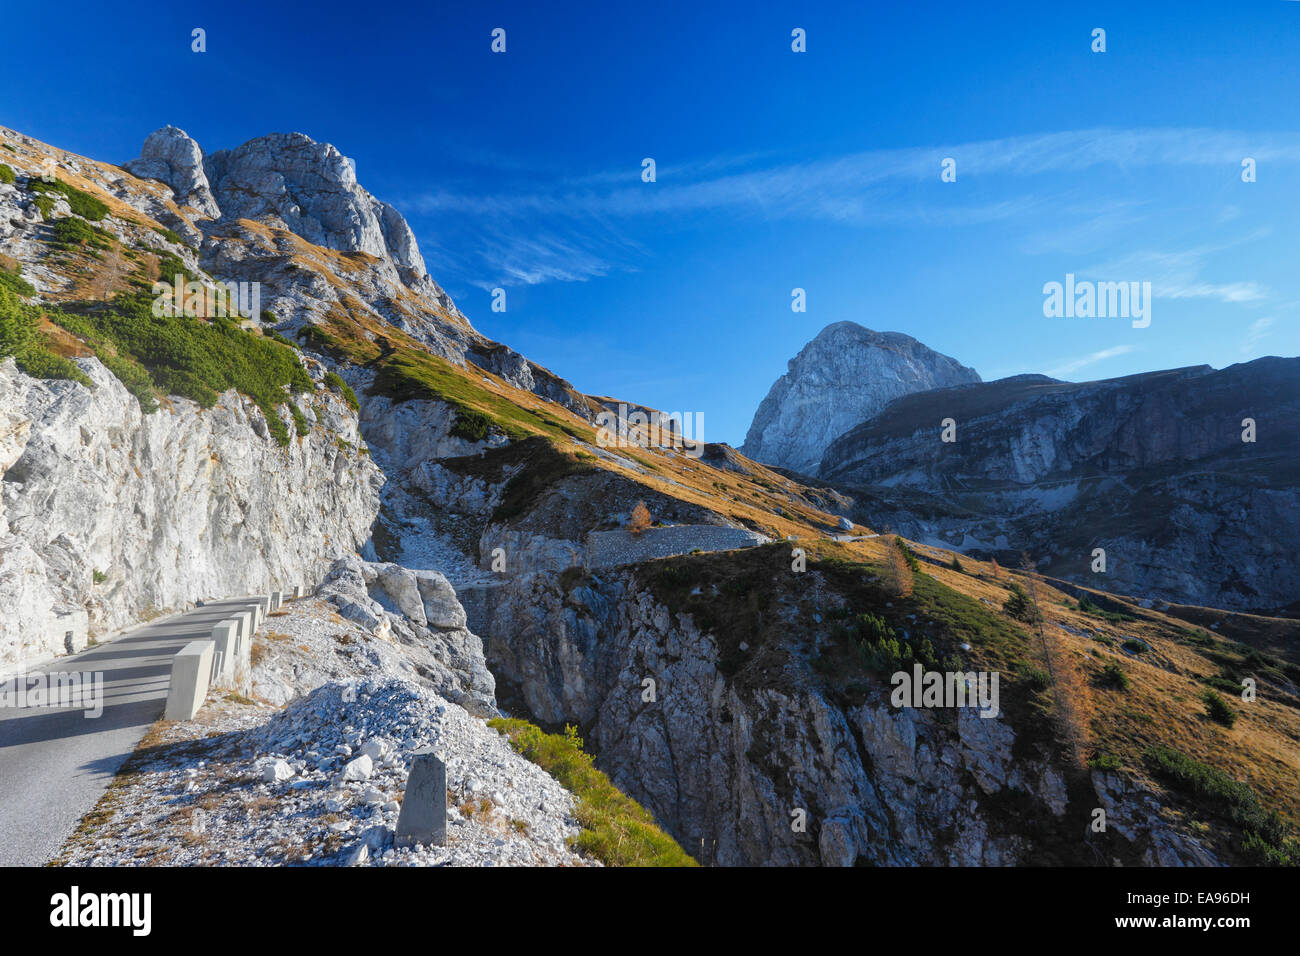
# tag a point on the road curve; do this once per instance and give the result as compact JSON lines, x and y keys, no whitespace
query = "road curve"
{"x":55,"y":763}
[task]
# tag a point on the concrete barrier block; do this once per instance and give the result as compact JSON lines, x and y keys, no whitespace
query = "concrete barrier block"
{"x":191,"y":668}
{"x":277,"y":600}
{"x":225,"y":641}
{"x":244,"y":619}
{"x":423,"y":818}
{"x":297,"y":591}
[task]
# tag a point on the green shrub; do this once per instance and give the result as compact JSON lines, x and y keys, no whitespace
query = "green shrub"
{"x":908,"y":554}
{"x":1018,"y":605}
{"x":191,"y":358}
{"x":1225,"y":684}
{"x":1088,"y":606}
{"x":1113,"y":676}
{"x":6,"y":174}
{"x":335,"y":381}
{"x":81,"y":203}
{"x":1267,"y":837}
{"x":98,"y":576}
{"x":71,"y":232}
{"x":1035,"y":677}
{"x":1103,"y":761}
{"x":1135,"y":646}
{"x":675,"y":575}
{"x":21,"y":338}
{"x":15,"y":282}
{"x":169,"y":234}
{"x":1217,"y":709}
{"x":170,"y":266}
{"x":616,"y":829}
{"x":471,"y":425}
{"x":299,"y":420}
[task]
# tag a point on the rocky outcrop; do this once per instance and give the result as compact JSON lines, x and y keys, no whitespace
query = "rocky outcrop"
{"x":170,"y":156}
{"x":419,"y":609}
{"x":111,"y":515}
{"x":1151,"y":468}
{"x":309,"y":188}
{"x":841,"y":378}
{"x":312,"y":189}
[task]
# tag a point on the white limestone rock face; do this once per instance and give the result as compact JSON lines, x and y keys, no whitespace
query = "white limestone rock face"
{"x":171,"y":508}
{"x":170,"y":156}
{"x":313,"y":189}
{"x":419,"y":612}
{"x":841,"y":378}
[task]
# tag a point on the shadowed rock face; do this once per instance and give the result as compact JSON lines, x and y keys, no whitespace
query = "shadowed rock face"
{"x":731,"y":745}
{"x":841,"y":378}
{"x":1151,"y":467}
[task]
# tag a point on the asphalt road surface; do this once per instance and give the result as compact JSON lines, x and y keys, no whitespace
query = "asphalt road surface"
{"x":55,"y":763}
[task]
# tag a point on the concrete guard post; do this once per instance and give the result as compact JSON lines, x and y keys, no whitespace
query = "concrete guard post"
{"x":189,"y":681}
{"x":424,"y":807}
{"x":244,"y":619}
{"x":225,"y":640}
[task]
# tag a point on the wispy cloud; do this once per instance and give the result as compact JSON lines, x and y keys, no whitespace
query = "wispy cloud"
{"x":1257,"y":331}
{"x":873,"y":188}
{"x":1178,"y":274}
{"x":1072,"y":366}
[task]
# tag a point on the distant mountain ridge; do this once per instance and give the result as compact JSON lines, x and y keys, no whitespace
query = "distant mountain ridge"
{"x":844,"y":376}
{"x":1151,"y":467}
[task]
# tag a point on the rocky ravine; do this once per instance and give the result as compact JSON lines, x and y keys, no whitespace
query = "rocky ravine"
{"x":738,"y":737}
{"x":841,"y":378}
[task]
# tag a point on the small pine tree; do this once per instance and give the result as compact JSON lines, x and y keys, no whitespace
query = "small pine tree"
{"x":997,"y":572}
{"x":956,"y":565}
{"x":640,"y":519}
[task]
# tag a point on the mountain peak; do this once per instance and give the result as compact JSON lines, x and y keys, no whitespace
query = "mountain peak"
{"x":845,"y":375}
{"x":308,"y":187}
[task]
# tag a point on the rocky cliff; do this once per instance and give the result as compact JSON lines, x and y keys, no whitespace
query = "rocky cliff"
{"x":110,"y":515}
{"x":755,"y":711}
{"x":841,"y":378}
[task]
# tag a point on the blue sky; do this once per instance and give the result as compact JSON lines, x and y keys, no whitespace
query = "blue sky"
{"x":776,"y":170}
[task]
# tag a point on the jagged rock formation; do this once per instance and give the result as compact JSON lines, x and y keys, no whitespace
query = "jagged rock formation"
{"x":1150,"y":467}
{"x":272,"y":196}
{"x":418,"y":608}
{"x":841,"y":378}
{"x":171,"y":157}
{"x":111,"y":515}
